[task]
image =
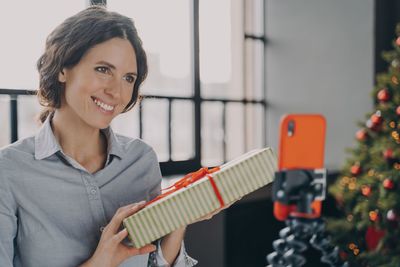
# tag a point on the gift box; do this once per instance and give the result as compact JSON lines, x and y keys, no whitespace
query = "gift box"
{"x":200,"y":193}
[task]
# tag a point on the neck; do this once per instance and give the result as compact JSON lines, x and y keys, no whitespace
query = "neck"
{"x":76,"y":138}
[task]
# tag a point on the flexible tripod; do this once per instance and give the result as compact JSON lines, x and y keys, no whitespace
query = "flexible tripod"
{"x":298,"y":189}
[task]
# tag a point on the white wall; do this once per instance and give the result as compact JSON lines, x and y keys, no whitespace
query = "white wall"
{"x":320,"y":60}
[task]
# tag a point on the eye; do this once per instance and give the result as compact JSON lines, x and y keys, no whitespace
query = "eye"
{"x":130,"y":79}
{"x":102,"y":69}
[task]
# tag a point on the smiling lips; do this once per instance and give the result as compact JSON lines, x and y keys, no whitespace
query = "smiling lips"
{"x":105,"y":107}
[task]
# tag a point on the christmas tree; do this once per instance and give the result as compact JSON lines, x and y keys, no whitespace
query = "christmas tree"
{"x":367,"y":191}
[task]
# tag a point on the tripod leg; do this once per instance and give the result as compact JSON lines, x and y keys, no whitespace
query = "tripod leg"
{"x":289,"y":246}
{"x":321,"y":241}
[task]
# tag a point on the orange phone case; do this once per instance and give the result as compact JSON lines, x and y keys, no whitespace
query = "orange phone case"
{"x":301,"y":146}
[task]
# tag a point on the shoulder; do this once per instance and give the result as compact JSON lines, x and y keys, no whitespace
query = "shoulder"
{"x":14,"y":156}
{"x":135,"y":146}
{"x":140,"y":159}
{"x":18,"y":150}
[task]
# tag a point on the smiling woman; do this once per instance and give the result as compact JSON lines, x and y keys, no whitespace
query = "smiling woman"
{"x":64,"y":191}
{"x":65,"y":52}
{"x":101,"y":85}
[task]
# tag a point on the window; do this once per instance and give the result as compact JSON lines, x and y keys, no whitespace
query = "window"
{"x":164,"y":27}
{"x":204,"y":97}
{"x":21,"y":45}
{"x":254,"y":52}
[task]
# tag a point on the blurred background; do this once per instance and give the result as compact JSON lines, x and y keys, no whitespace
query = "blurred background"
{"x":221,"y":75}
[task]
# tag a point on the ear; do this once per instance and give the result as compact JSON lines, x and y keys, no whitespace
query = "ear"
{"x":62,"y":77}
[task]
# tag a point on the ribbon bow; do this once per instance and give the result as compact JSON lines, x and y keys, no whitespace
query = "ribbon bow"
{"x":189,"y":179}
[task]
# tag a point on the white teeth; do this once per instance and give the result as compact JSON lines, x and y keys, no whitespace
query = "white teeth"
{"x":103,"y":105}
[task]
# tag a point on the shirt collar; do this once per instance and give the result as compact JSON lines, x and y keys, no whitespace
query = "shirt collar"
{"x":114,"y":146}
{"x":46,"y":143}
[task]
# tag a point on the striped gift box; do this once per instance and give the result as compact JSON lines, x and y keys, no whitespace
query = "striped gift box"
{"x":233,"y":180}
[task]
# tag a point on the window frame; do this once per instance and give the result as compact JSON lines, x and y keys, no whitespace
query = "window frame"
{"x":171,"y":167}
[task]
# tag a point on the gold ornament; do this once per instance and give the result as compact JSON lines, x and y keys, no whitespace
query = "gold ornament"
{"x":352,"y":246}
{"x":352,"y":186}
{"x":395,"y":135}
{"x":395,"y":80}
{"x":373,"y":215}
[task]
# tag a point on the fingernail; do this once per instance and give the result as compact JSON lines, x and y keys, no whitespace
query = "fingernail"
{"x":141,"y":202}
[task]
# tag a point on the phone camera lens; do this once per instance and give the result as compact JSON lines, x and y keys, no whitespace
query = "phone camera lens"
{"x":291,"y":128}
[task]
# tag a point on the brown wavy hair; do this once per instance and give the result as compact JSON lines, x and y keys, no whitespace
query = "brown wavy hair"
{"x":69,"y":41}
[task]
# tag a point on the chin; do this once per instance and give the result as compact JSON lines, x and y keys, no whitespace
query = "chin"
{"x":103,"y":125}
{"x":99,"y":124}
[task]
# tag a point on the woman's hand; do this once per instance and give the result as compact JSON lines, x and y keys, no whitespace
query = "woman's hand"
{"x":110,"y":251}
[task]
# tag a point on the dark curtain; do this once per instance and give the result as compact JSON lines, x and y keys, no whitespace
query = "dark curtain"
{"x":387,"y":15}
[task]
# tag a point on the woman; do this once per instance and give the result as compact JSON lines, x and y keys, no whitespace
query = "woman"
{"x":65,"y":191}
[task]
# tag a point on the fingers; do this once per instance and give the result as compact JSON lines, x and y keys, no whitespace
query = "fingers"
{"x":121,"y":214}
{"x":120,"y":236}
{"x":129,"y":252}
{"x":124,"y":233}
{"x":147,"y":249}
{"x":126,"y":251}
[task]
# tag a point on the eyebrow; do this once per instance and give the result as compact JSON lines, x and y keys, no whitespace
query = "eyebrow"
{"x":102,"y":62}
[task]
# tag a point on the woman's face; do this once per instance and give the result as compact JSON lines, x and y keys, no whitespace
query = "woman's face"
{"x":100,"y":86}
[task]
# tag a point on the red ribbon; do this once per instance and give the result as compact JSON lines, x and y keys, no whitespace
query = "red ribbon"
{"x":189,"y":179}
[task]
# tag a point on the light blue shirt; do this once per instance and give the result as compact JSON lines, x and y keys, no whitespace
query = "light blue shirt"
{"x":52,"y":209}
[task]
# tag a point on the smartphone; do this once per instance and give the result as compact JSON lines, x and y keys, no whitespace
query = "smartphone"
{"x":301,"y":146}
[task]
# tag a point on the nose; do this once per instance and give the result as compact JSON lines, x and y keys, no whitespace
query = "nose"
{"x":114,"y":88}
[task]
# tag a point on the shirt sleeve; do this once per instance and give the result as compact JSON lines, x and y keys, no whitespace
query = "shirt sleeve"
{"x":154,"y":177}
{"x":156,"y":258}
{"x":8,"y":224}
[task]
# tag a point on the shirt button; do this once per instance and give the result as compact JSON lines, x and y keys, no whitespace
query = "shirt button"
{"x":93,"y":191}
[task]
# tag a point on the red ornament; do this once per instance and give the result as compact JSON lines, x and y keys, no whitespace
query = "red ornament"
{"x":372,"y":237}
{"x":343,"y":255}
{"x":383,"y":95}
{"x":362,"y":135}
{"x":398,"y":111}
{"x":388,"y":154}
{"x":398,"y":41}
{"x":388,"y":184}
{"x":375,"y":121}
{"x":366,"y":190}
{"x":376,"y":118}
{"x":355,"y":170}
{"x":372,"y":126}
